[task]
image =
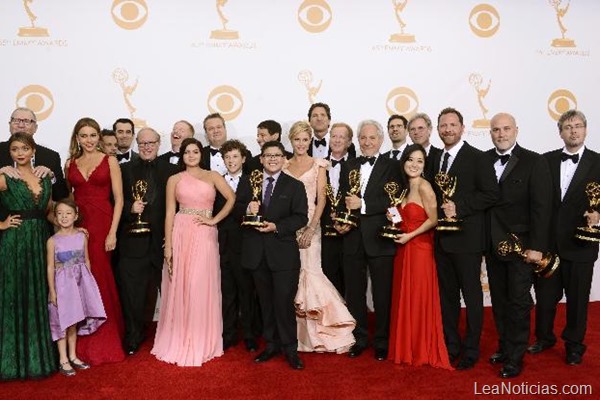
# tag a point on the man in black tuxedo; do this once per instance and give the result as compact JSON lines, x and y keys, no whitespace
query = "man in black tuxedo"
{"x":419,"y":130}
{"x":125,"y":131}
{"x":523,"y":209}
{"x":47,"y":161}
{"x":266,"y":131}
{"x":271,"y":252}
{"x":458,"y":255}
{"x":141,"y":254}
{"x":363,"y":247}
{"x":216,"y":135}
{"x":181,"y":130}
{"x":319,"y":117}
{"x":397,"y":131}
{"x":238,"y":294}
{"x":332,"y":255}
{"x":571,"y":168}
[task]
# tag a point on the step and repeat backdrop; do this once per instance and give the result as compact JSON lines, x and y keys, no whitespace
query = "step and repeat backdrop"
{"x":158,"y":61}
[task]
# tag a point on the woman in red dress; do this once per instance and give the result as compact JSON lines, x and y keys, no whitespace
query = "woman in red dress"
{"x":416,"y":333}
{"x":93,"y":177}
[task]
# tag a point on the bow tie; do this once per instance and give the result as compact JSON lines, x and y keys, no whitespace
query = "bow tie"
{"x":370,"y":160}
{"x":503,"y":158}
{"x":572,"y":157}
{"x":213,"y":152}
{"x":124,"y":156}
{"x":173,"y":154}
{"x":335,"y":162}
{"x":321,"y":142}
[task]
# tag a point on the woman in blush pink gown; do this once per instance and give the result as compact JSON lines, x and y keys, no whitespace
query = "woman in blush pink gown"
{"x":190,"y":325}
{"x":416,"y":333}
{"x":324,"y":322}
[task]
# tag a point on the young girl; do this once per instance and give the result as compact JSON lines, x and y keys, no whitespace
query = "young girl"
{"x":75,"y":305}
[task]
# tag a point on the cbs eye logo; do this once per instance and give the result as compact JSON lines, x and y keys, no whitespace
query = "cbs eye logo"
{"x":129,"y":14}
{"x":561,"y":101}
{"x":314,"y":15}
{"x":484,"y":20}
{"x":225,"y":100}
{"x":38,"y":99}
{"x":403,"y":101}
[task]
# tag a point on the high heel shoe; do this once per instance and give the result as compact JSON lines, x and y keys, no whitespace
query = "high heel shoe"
{"x":79,"y":364}
{"x":66,"y":372}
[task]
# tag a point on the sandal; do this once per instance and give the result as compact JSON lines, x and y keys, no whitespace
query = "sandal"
{"x":64,"y":371}
{"x":77,"y":363}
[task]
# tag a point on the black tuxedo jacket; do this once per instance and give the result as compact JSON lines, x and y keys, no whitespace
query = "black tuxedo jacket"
{"x":376,"y":204}
{"x":434,"y":154}
{"x":205,"y":160}
{"x":137,"y":246}
{"x":387,"y":155}
{"x":46,"y":157}
{"x":230,"y":231}
{"x":567,"y":214}
{"x":476,"y":191}
{"x":288,"y":209}
{"x":524,"y":206}
{"x":351,"y":150}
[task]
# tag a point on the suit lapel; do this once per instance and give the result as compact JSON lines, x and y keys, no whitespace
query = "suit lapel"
{"x":378,"y":170}
{"x":581,"y":172}
{"x":512,"y":163}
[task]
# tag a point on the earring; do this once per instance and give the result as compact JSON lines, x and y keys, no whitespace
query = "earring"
{"x":78,"y":146}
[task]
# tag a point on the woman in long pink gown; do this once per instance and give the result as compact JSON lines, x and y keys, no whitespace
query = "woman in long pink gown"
{"x":190,"y":325}
{"x":416,"y":333}
{"x":93,"y":177}
{"x":324,"y":322}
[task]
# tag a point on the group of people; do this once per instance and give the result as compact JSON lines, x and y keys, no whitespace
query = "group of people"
{"x":282,"y":245}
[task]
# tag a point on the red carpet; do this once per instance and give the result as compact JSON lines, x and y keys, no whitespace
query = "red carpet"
{"x":326,"y":376}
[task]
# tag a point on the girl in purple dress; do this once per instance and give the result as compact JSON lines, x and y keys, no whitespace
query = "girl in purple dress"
{"x":74,"y":302}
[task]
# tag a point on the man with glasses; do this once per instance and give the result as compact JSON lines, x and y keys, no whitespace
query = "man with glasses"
{"x":46,"y":161}
{"x":397,"y":132}
{"x":141,"y":254}
{"x":572,"y":168}
{"x":271,"y":252}
{"x":419,"y":130}
{"x":125,"y":130}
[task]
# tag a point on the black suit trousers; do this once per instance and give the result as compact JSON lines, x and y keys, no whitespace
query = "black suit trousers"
{"x":276,"y":294}
{"x":575,"y":278}
{"x":510,"y":287}
{"x":332,"y":260}
{"x":460,"y":273}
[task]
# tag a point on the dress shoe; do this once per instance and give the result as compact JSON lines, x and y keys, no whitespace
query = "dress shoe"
{"x":266,"y":355}
{"x":131,"y":349}
{"x":466,"y":363}
{"x":574,"y":358}
{"x":510,"y":371}
{"x":251,"y":345}
{"x":538,"y":347}
{"x":294,"y":361}
{"x":77,"y":363}
{"x":381,"y":354}
{"x":356,"y":351}
{"x":497,"y":358}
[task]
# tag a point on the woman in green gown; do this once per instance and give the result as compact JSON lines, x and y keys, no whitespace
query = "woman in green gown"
{"x":26,"y":347}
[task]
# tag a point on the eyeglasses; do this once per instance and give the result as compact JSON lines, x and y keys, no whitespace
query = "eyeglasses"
{"x":571,"y":127}
{"x":272,"y":156}
{"x":24,"y":121}
{"x":147,"y":144}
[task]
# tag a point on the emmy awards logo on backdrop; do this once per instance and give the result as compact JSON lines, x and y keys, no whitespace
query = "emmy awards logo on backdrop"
{"x":305,"y":77}
{"x":224,"y":33}
{"x":561,"y":101}
{"x":401,"y":37}
{"x":476,"y":80}
{"x":403,"y":101}
{"x":31,"y":31}
{"x":314,"y":15}
{"x":38,"y":99}
{"x":484,"y":20}
{"x":225,"y":100}
{"x":121,"y":76}
{"x":129,"y":14}
{"x":560,"y":13}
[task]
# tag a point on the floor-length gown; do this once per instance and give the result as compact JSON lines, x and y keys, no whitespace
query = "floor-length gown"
{"x":323,"y":320}
{"x":416,"y":333}
{"x":92,"y":196}
{"x":190,"y":324}
{"x":26,"y":348}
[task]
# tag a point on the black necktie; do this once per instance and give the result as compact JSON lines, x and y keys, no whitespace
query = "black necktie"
{"x":503,"y":158}
{"x":213,"y":152}
{"x":321,"y":142}
{"x":370,"y":160}
{"x":124,"y":156}
{"x":445,"y":163}
{"x":395,"y":154}
{"x":268,"y":192}
{"x":572,"y":157}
